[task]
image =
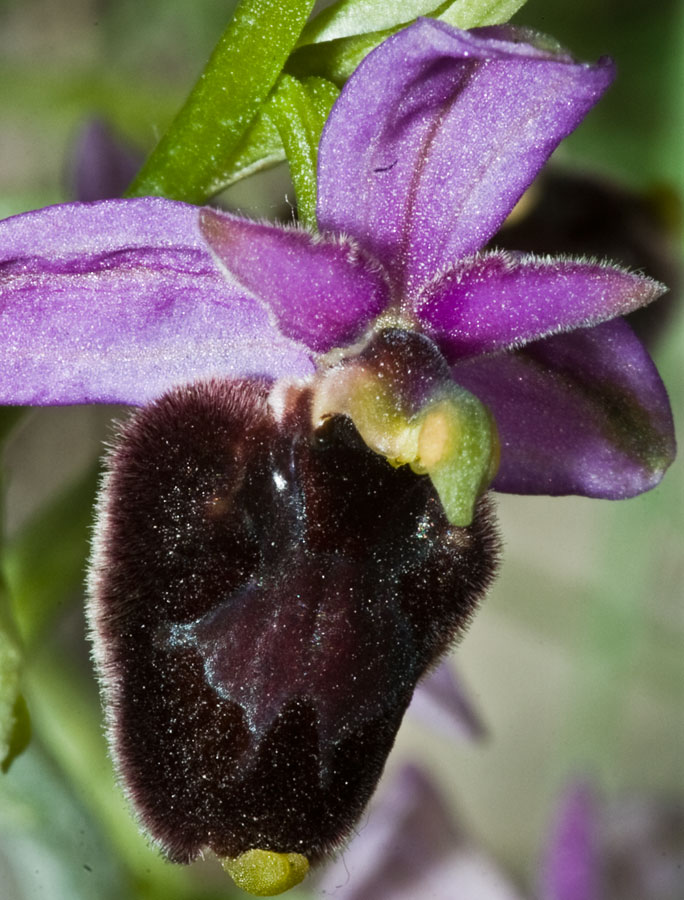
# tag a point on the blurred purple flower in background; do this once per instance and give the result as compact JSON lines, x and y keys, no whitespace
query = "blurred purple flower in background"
{"x":411,"y":844}
{"x":102,"y":164}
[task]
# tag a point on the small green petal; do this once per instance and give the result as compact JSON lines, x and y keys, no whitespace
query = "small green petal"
{"x":347,"y":18}
{"x":335,"y":60}
{"x":476,"y":13}
{"x":458,"y":448}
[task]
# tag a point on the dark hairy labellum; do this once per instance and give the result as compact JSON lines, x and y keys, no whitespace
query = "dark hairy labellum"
{"x":264,"y":598}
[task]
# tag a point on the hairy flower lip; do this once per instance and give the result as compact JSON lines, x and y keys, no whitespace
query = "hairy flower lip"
{"x":313,"y":529}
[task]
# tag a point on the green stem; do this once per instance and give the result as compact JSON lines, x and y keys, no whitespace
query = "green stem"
{"x":237,"y":79}
{"x":299,"y":111}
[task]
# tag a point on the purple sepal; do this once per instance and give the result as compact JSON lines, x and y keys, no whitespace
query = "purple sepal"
{"x":494,"y":301}
{"x":441,"y":703}
{"x":323,"y":290}
{"x":570,"y":868}
{"x":118,"y":301}
{"x":437,"y":135}
{"x":580,"y":413}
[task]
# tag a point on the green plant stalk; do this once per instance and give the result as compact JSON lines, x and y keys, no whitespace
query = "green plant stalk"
{"x":299,"y":111}
{"x":236,"y":81}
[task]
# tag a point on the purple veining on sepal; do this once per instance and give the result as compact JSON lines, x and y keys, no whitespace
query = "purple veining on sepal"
{"x":118,"y":301}
{"x":443,"y":130}
{"x":579,"y":413}
{"x":499,"y":300}
{"x":323,"y":290}
{"x":570,"y":870}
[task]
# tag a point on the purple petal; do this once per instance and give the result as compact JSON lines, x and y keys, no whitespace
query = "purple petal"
{"x":103,"y":165}
{"x":436,"y":136}
{"x":570,"y":869}
{"x":322,"y":290}
{"x":118,"y":301}
{"x":410,"y":847}
{"x":498,"y":300}
{"x":579,"y":413}
{"x":441,"y":703}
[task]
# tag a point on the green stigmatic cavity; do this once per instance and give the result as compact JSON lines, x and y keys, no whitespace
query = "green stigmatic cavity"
{"x":399,"y":394}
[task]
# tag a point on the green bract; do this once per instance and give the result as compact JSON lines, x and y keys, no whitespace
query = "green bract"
{"x":335,"y":42}
{"x":353,"y":17}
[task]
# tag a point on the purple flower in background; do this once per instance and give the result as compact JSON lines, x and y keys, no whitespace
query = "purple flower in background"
{"x":102,"y":165}
{"x":570,"y":868}
{"x":410,"y":845}
{"x":273,"y":571}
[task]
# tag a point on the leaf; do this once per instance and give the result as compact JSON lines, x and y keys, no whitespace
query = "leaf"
{"x":235,"y":82}
{"x":13,"y":715}
{"x":299,"y":110}
{"x":336,"y":58}
{"x":349,"y":17}
{"x":477,"y":13}
{"x":259,"y":148}
{"x":45,"y":562}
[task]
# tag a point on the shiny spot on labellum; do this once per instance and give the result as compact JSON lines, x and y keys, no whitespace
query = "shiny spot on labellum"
{"x":264,"y":598}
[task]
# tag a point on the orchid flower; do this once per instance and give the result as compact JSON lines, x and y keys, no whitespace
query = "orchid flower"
{"x":294,"y":527}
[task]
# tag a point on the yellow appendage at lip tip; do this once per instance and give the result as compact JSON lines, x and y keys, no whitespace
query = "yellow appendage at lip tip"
{"x":264,"y":873}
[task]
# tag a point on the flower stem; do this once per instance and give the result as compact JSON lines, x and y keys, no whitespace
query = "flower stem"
{"x":237,"y":79}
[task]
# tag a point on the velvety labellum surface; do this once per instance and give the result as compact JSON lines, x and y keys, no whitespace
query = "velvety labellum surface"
{"x":264,"y":599}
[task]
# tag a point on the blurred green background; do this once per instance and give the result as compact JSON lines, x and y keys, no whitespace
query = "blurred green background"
{"x":575,"y":661}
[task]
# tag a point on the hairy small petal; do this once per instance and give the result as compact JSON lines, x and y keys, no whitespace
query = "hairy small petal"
{"x":589,"y":216}
{"x":496,"y":301}
{"x":579,"y":413}
{"x":411,"y":847}
{"x":571,"y":867}
{"x":323,"y":291}
{"x":118,"y":301}
{"x":436,"y":136}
